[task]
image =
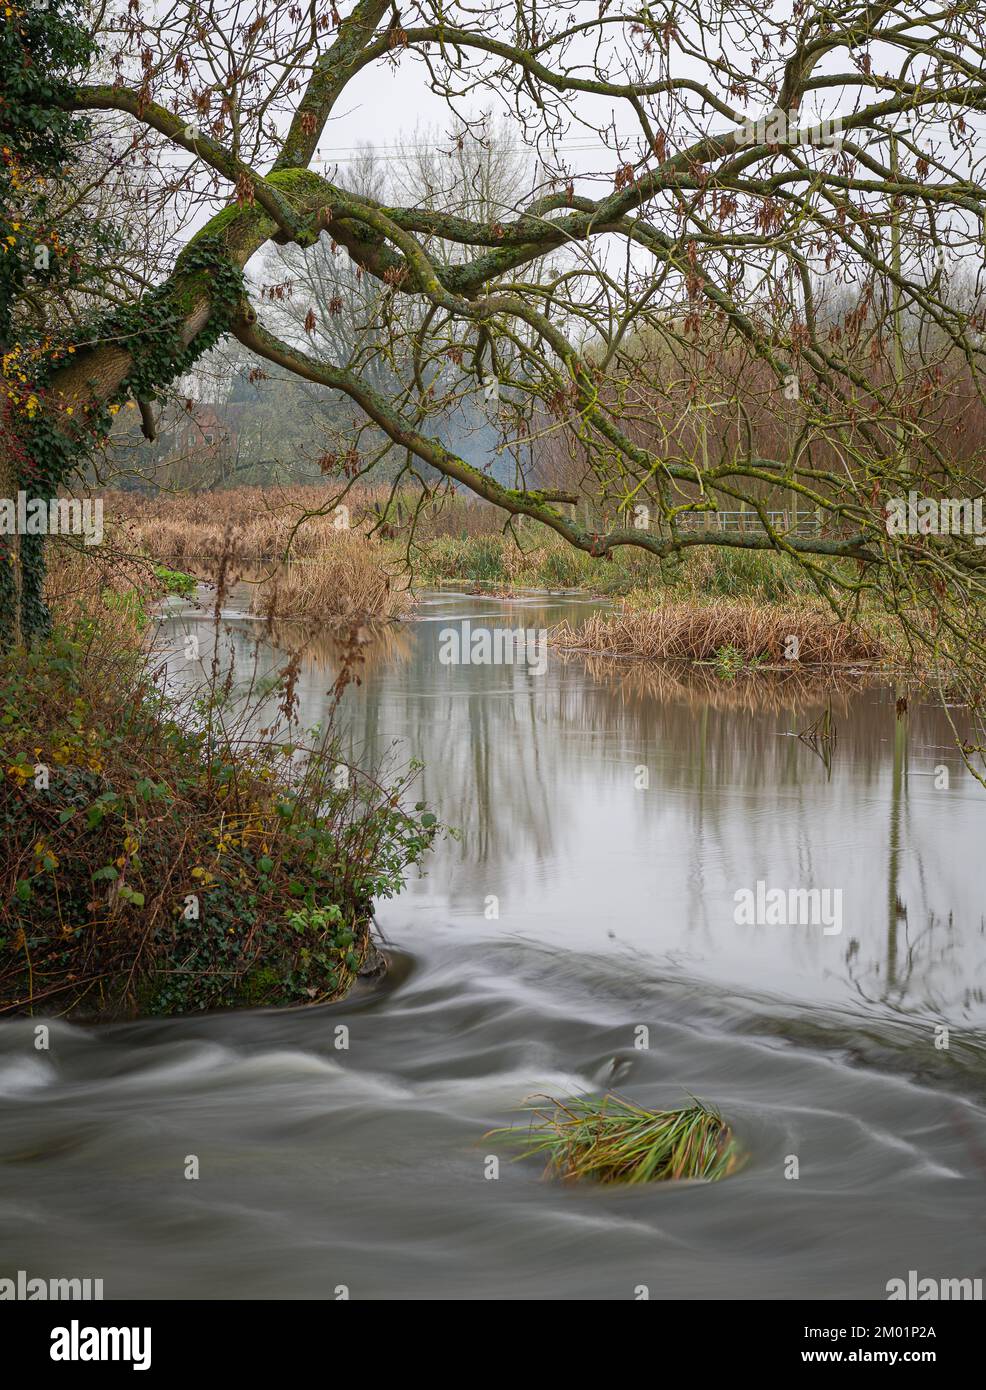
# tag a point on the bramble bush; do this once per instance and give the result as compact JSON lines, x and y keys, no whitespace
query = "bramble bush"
{"x":160,"y":860}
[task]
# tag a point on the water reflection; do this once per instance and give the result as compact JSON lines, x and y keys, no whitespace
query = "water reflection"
{"x":620,"y":808}
{"x":615,"y":910}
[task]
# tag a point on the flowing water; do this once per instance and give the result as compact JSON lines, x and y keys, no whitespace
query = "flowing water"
{"x":579,"y":935}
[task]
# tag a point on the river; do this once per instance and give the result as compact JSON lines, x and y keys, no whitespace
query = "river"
{"x":580,"y":934}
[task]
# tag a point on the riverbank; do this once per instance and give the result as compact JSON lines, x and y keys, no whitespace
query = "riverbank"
{"x":737,"y":609}
{"x":166,"y":855}
{"x":354,"y":550}
{"x":303,"y":560}
{"x":579,"y":938}
{"x":497,"y":564}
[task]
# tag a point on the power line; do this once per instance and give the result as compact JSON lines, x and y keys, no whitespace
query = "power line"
{"x":345,"y":154}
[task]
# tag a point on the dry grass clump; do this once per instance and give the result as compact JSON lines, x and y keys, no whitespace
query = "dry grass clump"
{"x":194,"y":529}
{"x":75,"y":577}
{"x":104,"y":599}
{"x":615,"y":1141}
{"x":318,"y":570}
{"x":746,"y":631}
{"x":348,"y":580}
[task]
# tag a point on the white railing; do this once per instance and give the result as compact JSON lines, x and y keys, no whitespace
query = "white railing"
{"x":801,"y":523}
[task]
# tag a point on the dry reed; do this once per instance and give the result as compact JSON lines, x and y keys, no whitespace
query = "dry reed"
{"x":703,"y":631}
{"x":348,"y":580}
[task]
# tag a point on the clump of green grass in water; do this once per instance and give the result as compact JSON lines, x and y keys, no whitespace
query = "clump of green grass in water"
{"x":730,"y":662}
{"x":614,"y":1140}
{"x":175,"y":581}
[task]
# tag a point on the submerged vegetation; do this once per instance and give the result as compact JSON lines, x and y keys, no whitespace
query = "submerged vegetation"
{"x":616,"y":1141}
{"x":166,"y":854}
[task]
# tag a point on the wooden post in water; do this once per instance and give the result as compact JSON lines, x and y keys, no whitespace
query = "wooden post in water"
{"x":893,"y":864}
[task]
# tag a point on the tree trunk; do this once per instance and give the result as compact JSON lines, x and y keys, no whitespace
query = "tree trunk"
{"x":10,"y":561}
